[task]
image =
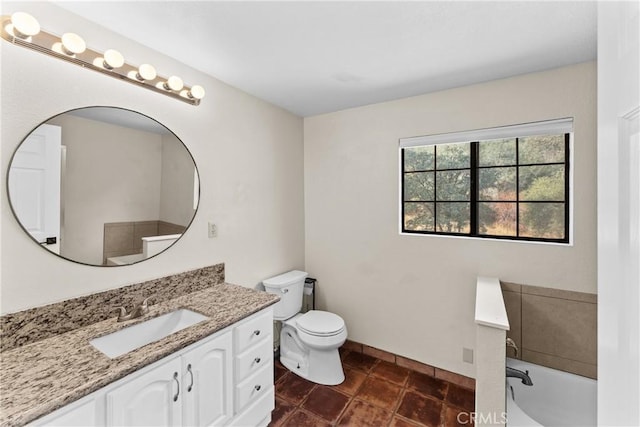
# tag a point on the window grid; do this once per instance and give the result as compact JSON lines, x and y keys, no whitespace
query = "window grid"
{"x":474,"y":201}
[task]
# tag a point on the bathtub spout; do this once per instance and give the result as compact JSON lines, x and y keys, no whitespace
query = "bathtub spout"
{"x":516,"y":373}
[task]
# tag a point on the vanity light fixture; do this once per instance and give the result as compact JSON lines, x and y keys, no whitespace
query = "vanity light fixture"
{"x":24,"y":30}
{"x":146,"y":72}
{"x":173,"y":83}
{"x":72,"y":44}
{"x":196,"y":92}
{"x":22,"y":25}
{"x":112,"y":59}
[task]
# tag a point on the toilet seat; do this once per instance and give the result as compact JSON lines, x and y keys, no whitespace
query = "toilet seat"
{"x":320,"y":323}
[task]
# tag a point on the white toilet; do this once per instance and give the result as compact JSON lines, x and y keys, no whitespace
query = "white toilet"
{"x":309,"y":342}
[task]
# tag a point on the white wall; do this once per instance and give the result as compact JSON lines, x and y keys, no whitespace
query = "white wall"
{"x":248,"y":152}
{"x":618,"y":214}
{"x":414,"y":295}
{"x":112,"y":174}
{"x":176,"y":190}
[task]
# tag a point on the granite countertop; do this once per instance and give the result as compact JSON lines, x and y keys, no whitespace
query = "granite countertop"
{"x":41,"y":377}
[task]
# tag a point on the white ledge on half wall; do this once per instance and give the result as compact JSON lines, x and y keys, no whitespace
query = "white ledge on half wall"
{"x":490,"y":309}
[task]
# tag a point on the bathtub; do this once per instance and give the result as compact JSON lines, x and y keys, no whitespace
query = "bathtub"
{"x":556,"y":398}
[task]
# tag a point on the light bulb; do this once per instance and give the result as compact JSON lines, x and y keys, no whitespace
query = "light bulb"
{"x":24,"y":25}
{"x":196,"y":92}
{"x":173,"y":83}
{"x":112,"y":59}
{"x":146,"y":72}
{"x":72,"y":44}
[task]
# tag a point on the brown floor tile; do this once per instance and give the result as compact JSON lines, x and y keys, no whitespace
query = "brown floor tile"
{"x":293,"y":388}
{"x":304,"y":419}
{"x":401,"y":422}
{"x":360,"y":414}
{"x":380,"y":393}
{"x":353,"y":379}
{"x":455,"y":417}
{"x":461,"y":397}
{"x":280,"y":371}
{"x":420,"y":409}
{"x":282,"y":411}
{"x":427,"y":385}
{"x":343,"y":352}
{"x":359,"y":361}
{"x":391,"y":372}
{"x":375,"y":393}
{"x":326,"y":403}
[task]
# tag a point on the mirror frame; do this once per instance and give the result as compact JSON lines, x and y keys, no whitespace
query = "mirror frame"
{"x":15,"y":151}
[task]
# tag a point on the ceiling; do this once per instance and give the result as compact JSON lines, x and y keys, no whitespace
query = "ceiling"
{"x":314,"y":57}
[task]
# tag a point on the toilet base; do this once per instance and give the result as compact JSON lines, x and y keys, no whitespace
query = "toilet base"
{"x":318,"y":366}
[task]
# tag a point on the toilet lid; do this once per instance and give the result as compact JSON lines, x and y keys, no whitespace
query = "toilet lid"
{"x":320,"y":323}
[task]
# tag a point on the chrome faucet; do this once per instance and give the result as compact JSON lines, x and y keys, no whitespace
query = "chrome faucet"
{"x":517,"y":373}
{"x":137,"y":311}
{"x":511,"y":343}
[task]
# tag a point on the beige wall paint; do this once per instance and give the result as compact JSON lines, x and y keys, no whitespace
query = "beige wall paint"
{"x":414,"y":295}
{"x":248,"y":152}
{"x":176,"y":192}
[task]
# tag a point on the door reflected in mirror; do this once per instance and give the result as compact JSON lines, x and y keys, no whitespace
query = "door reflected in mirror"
{"x":103,"y":186}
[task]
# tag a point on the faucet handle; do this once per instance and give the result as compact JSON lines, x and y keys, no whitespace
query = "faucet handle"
{"x":123,"y":312}
{"x":144,"y":306}
{"x":511,"y":343}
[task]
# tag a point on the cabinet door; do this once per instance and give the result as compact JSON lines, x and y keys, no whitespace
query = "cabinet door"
{"x":81,"y":414}
{"x":207,"y":378}
{"x":151,"y":399}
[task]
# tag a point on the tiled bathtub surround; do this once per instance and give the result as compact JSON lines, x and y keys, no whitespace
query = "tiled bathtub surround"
{"x":552,"y":327}
{"x":125,"y":238}
{"x":29,"y":326}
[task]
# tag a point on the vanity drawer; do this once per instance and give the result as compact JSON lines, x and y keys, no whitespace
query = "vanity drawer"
{"x":253,"y":331}
{"x":254,"y":358}
{"x":254,"y":387}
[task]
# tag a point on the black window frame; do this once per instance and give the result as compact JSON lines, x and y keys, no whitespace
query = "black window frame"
{"x":474,"y":199}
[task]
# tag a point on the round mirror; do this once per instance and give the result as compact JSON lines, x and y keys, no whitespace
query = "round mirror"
{"x":103,"y":186}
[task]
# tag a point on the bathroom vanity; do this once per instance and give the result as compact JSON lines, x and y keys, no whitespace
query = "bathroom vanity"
{"x":218,"y":371}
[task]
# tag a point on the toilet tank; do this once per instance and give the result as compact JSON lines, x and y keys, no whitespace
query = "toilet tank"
{"x":288,"y":287}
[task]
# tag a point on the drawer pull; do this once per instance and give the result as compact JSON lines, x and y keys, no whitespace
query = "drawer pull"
{"x":175,"y":377}
{"x":256,"y":332}
{"x":257,"y":360}
{"x":258,"y":387}
{"x":190,"y":373}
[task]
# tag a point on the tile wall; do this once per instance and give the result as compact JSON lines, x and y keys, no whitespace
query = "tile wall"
{"x":125,"y":238}
{"x":552,"y":327}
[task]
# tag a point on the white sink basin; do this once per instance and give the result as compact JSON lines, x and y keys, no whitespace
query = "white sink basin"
{"x":128,"y":339}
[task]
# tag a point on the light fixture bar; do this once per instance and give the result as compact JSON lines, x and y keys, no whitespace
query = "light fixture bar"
{"x":110,"y":63}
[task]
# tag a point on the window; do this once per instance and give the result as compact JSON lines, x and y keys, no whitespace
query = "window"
{"x":497,"y":186}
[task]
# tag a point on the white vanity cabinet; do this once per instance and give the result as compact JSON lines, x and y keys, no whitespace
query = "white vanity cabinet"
{"x":151,"y":399}
{"x":225,"y":379}
{"x":207,"y":381}
{"x":189,"y":390}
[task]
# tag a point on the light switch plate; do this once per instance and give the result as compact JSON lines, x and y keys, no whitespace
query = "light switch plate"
{"x":213,"y":230}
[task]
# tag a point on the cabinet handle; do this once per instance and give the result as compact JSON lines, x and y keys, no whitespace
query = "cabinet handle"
{"x":257,"y":360}
{"x":175,"y":377}
{"x":258,"y":387}
{"x":256,"y":332}
{"x":190,"y":373}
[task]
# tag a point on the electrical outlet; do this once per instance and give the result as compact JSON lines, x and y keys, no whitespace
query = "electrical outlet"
{"x":467,"y":355}
{"x":213,"y":230}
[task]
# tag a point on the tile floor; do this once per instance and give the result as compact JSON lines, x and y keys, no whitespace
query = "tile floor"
{"x":374,"y":393}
